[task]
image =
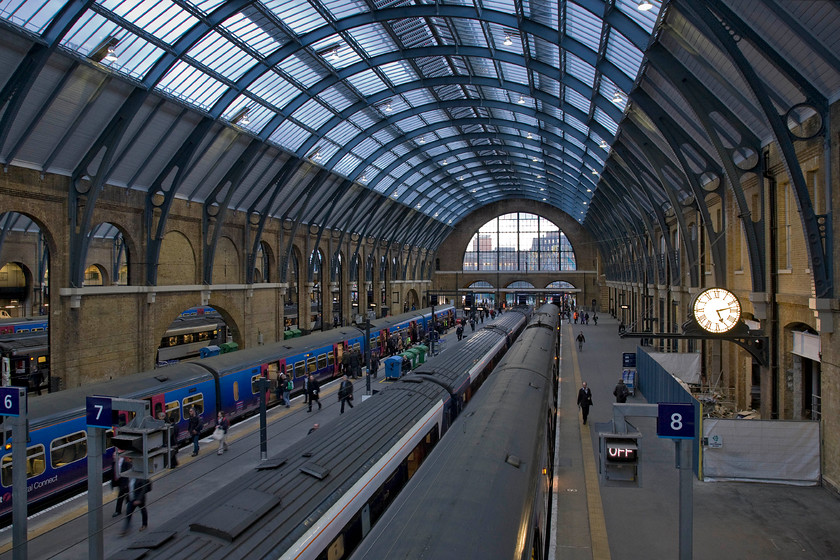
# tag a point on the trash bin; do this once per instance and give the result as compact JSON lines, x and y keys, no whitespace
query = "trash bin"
{"x":411,"y":354}
{"x":227,"y":347}
{"x":421,"y":350}
{"x":393,"y":365}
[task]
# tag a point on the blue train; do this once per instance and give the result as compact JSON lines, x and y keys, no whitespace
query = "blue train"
{"x":57,"y":450}
{"x":24,"y":325}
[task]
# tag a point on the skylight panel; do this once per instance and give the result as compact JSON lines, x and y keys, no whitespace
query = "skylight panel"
{"x":399,"y":72}
{"x":622,"y":53}
{"x":437,"y":116}
{"x":363,"y":119}
{"x":645,"y":19}
{"x":343,"y":133}
{"x":300,"y":17}
{"x":312,"y":114}
{"x":275,"y":89}
{"x":410,"y":123}
{"x":574,"y":141}
{"x":577,"y":100}
{"x":384,"y":136}
{"x":418,"y":97}
{"x":33,"y":16}
{"x":192,"y":85}
{"x":576,"y":123}
{"x":514,"y":73}
{"x":338,"y":97}
{"x":373,"y":39}
{"x":256,"y":117}
{"x":301,"y":70}
{"x":219,"y":54}
{"x":289,"y":135}
{"x":367,"y":82}
{"x":580,"y":69}
{"x":347,"y":165}
{"x":583,"y":25}
{"x":606,"y":121}
{"x":343,"y":8}
{"x":206,"y":6}
{"x":507,"y":6}
{"x":161,"y":18}
{"x":384,"y":184}
{"x":385,"y":160}
{"x":366,"y":147}
{"x":251,"y":34}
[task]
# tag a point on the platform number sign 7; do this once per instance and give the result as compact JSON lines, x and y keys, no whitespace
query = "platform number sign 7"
{"x":99,"y":412}
{"x":675,"y":421}
{"x":10,"y":401}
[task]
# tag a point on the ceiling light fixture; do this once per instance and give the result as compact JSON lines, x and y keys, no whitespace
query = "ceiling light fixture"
{"x":422,"y":139}
{"x":617,"y":97}
{"x":111,"y":56}
{"x":507,"y":42}
{"x":529,"y":136}
{"x":317,"y":156}
{"x":603,"y":144}
{"x":594,"y":172}
{"x":443,"y":162}
{"x":388,"y":108}
{"x":334,"y":56}
{"x":521,"y":100}
{"x":644,"y":6}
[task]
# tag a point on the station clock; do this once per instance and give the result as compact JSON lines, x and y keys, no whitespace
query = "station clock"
{"x":716,"y":310}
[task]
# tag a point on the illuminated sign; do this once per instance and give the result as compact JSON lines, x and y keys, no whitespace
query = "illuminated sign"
{"x":622,"y":451}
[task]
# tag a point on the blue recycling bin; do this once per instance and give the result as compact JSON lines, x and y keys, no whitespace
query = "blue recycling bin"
{"x":393,"y":366}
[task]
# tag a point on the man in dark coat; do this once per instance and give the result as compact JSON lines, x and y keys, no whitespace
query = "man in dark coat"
{"x":621,"y":391}
{"x":345,"y":393}
{"x":584,"y":400}
{"x":194,"y":427}
{"x":313,"y":392}
{"x":137,"y":490}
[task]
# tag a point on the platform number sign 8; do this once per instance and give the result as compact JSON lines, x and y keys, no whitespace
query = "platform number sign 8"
{"x":10,"y":401}
{"x":675,"y":421}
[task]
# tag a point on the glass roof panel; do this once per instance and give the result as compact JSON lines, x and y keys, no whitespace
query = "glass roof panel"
{"x":312,"y":114}
{"x":219,"y":54}
{"x":299,"y":17}
{"x":645,"y":19}
{"x":625,"y":55}
{"x":161,"y":18}
{"x":303,"y":68}
{"x":343,"y":8}
{"x":32,"y":16}
{"x":583,"y":25}
{"x":367,"y":82}
{"x":580,"y":69}
{"x":275,"y":89}
{"x":247,"y":31}
{"x":605,"y":120}
{"x":191,"y":84}
{"x":289,"y":136}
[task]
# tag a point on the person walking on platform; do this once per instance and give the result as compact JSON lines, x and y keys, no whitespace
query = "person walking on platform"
{"x":194,"y":427}
{"x":584,"y":400}
{"x":224,"y":424}
{"x":374,"y":364}
{"x":345,"y":393}
{"x":313,"y":392}
{"x":306,"y":390}
{"x":120,"y":482}
{"x":287,"y":391}
{"x":580,"y":340}
{"x":621,"y":391}
{"x":137,"y":490}
{"x":459,"y":332}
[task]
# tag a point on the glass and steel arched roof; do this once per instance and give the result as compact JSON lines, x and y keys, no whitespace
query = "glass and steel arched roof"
{"x":441,"y":106}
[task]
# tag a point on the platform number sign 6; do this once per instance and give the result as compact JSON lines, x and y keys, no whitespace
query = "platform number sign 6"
{"x":10,"y":401}
{"x":99,"y":412}
{"x":675,"y":421}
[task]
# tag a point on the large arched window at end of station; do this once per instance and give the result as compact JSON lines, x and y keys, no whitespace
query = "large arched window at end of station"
{"x":484,"y":293}
{"x":519,"y":242}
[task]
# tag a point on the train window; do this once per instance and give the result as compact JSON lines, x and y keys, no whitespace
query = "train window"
{"x":331,"y":358}
{"x":322,"y":361}
{"x":255,"y":388}
{"x":194,"y":400}
{"x":310,"y":365}
{"x":173,"y":411}
{"x":109,"y":439}
{"x":300,"y":369}
{"x":357,"y":346}
{"x":236,"y":390}
{"x":189,"y":338}
{"x":67,"y":449}
{"x":336,"y":549}
{"x":35,"y":464}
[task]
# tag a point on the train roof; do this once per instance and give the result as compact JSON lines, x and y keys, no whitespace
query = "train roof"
{"x":469,"y":497}
{"x":68,"y":402}
{"x":262,"y":513}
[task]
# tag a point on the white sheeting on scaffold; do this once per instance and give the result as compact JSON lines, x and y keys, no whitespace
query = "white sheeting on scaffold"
{"x":682,"y":365}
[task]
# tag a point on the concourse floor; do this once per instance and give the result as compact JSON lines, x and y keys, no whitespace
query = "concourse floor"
{"x":732,"y":520}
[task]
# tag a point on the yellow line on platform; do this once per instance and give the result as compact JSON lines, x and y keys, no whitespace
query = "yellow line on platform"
{"x":597,"y":523}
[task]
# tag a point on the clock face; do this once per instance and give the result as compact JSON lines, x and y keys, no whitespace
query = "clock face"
{"x":716,"y":310}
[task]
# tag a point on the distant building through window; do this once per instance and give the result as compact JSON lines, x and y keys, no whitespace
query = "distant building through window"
{"x":519,"y":242}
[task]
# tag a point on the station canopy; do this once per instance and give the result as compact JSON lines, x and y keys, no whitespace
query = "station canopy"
{"x":335,"y":113}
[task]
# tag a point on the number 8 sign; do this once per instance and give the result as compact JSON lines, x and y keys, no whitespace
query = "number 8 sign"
{"x":675,"y":421}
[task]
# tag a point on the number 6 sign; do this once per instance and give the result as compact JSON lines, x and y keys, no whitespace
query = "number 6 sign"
{"x":99,"y":412}
{"x":10,"y":401}
{"x":675,"y":421}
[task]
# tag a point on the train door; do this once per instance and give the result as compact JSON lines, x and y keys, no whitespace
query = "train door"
{"x":338,"y":350}
{"x":264,"y":373}
{"x":157,"y":404}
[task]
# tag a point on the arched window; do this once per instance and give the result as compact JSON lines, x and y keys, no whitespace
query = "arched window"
{"x":484,"y":292}
{"x":519,"y":242}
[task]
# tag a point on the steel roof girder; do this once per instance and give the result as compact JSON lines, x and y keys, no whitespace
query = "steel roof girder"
{"x":156,"y":224}
{"x":308,"y":191}
{"x":817,"y":239}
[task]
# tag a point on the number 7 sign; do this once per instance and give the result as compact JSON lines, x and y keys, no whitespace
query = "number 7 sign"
{"x":99,"y":412}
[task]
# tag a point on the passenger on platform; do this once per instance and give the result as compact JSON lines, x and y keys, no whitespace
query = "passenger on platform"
{"x":288,"y":385}
{"x":459,"y":332}
{"x":223,"y":422}
{"x":313,"y":428}
{"x":586,"y":318}
{"x":374,"y":364}
{"x":306,"y":390}
{"x":137,"y":490}
{"x":345,"y":393}
{"x":194,"y":427}
{"x":118,"y":481}
{"x":472,"y":323}
{"x":576,"y":317}
{"x":580,"y":340}
{"x":621,"y":391}
{"x":313,"y":392}
{"x":595,"y":319}
{"x":621,"y":328}
{"x":584,"y":400}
